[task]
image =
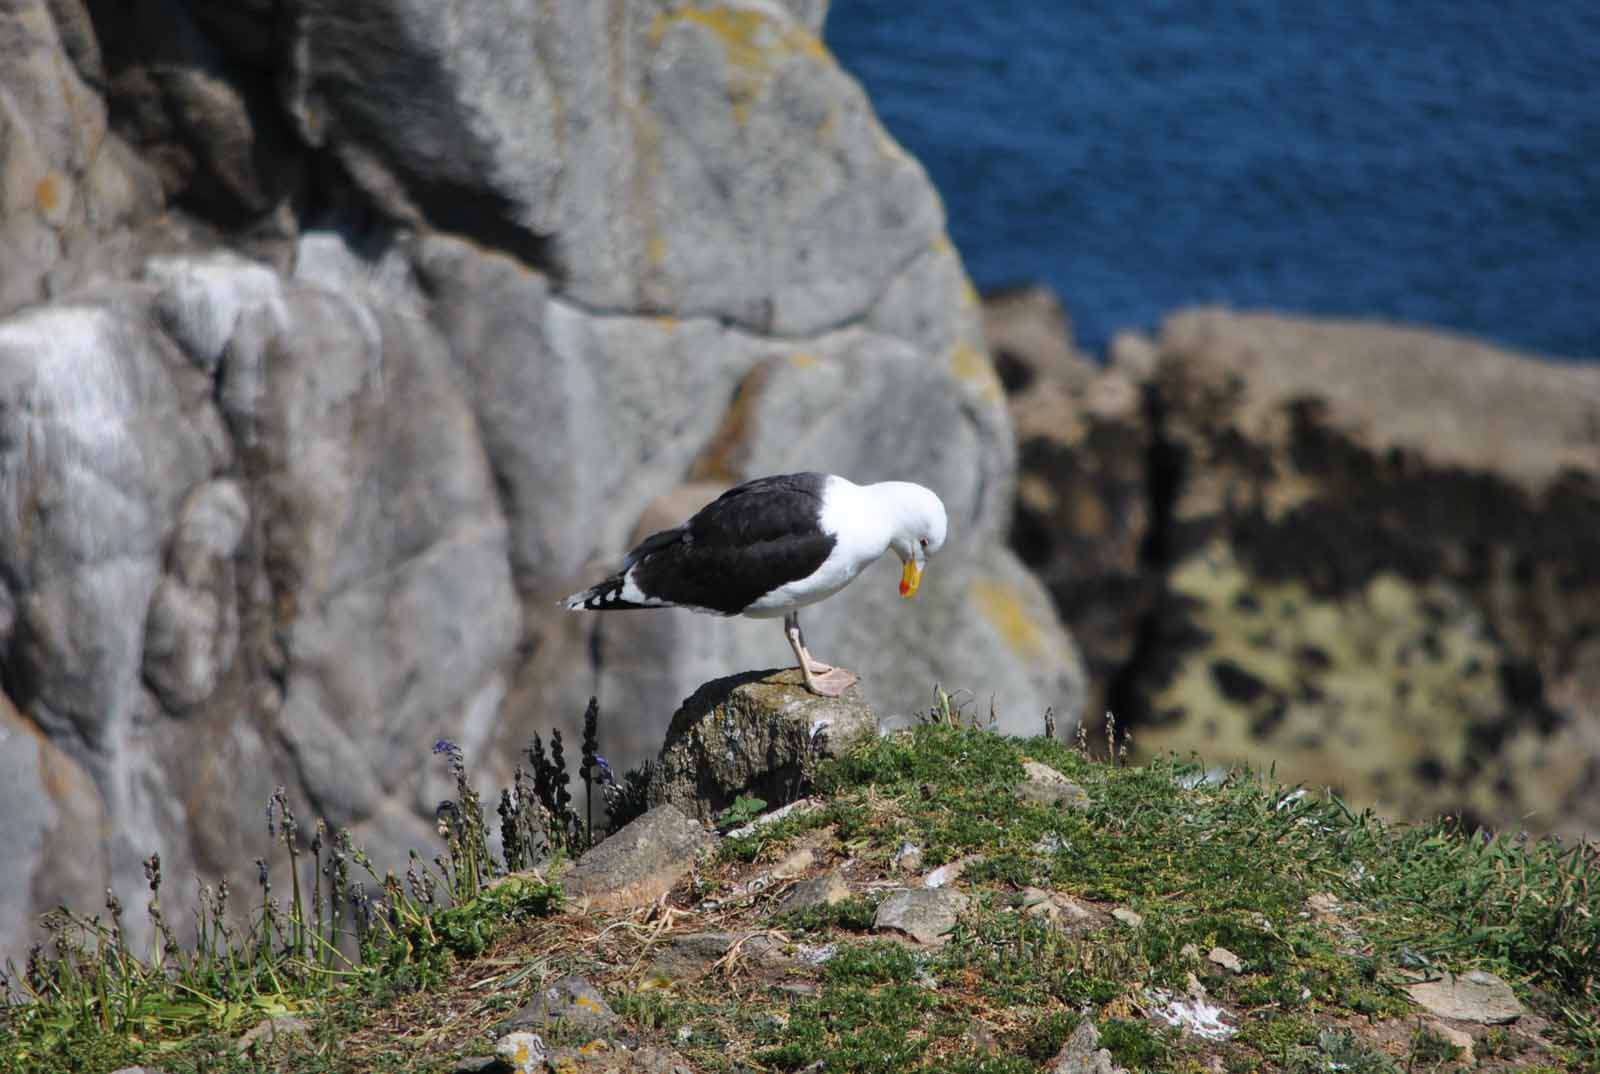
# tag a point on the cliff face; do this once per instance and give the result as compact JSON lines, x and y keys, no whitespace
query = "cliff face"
{"x":1365,"y":555}
{"x":340,"y":339}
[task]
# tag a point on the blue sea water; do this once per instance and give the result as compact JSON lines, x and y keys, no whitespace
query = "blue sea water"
{"x":1426,"y":161}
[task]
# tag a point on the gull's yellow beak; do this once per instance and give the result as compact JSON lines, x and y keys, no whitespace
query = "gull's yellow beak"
{"x":910,"y":578}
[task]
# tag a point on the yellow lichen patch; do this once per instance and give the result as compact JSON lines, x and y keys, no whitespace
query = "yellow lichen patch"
{"x":1036,"y":493}
{"x":753,"y":42}
{"x":1004,"y":609}
{"x":803,"y":360}
{"x":1361,"y":692}
{"x":655,"y":249}
{"x":969,"y":294}
{"x":52,"y":196}
{"x":971,"y":366}
{"x":47,"y":194}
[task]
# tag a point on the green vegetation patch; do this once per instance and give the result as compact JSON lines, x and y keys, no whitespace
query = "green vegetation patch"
{"x":1325,"y":909}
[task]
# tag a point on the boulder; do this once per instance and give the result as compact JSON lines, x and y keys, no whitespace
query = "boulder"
{"x":1475,"y":996}
{"x":639,"y":864}
{"x":1043,"y":785}
{"x":827,"y":889}
{"x":926,"y":915}
{"x":760,"y":734}
{"x":569,"y":1002}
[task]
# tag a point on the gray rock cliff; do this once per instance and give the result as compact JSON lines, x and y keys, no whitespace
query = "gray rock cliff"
{"x":338,"y":340}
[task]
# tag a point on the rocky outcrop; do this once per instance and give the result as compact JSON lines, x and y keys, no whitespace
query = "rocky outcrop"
{"x":638,"y":864}
{"x":336,"y":342}
{"x":1366,"y":555}
{"x":760,"y":734}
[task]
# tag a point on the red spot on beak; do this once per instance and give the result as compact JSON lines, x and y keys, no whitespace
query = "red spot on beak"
{"x":904,"y":588}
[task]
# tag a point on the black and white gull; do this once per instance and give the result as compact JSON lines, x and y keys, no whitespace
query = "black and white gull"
{"x":769,"y":547}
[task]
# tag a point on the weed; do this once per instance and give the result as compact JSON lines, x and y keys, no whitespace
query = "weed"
{"x":744,"y":809}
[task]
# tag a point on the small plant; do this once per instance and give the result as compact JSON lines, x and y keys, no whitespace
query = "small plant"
{"x":744,"y":809}
{"x":630,"y":798}
{"x":591,"y":770}
{"x":1339,"y":1050}
{"x":948,"y":710}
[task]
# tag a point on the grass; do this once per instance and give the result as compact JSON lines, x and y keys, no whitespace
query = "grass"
{"x":409,"y":975}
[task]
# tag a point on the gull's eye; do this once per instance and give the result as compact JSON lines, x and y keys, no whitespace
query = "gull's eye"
{"x":923,"y":541}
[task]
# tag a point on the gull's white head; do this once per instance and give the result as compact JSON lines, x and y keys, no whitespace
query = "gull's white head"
{"x":919,"y":528}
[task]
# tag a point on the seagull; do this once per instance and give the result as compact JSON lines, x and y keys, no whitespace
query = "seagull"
{"x":769,"y":547}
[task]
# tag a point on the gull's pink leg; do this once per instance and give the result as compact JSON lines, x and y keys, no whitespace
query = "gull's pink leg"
{"x":820,"y":678}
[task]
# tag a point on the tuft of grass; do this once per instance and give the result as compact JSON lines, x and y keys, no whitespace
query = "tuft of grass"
{"x":854,"y":914}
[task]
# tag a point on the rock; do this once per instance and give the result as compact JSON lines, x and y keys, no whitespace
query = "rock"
{"x":600,"y":1057}
{"x":1476,"y":996}
{"x":570,"y":1002}
{"x":696,"y":954}
{"x":1456,"y":1038}
{"x":1063,"y":911}
{"x":481,"y":1064}
{"x":1030,"y":337}
{"x":1378,"y":565}
{"x":908,"y":858}
{"x":67,"y":184}
{"x":640,"y":863}
{"x":192,"y":632}
{"x":1082,"y":1054}
{"x":829,"y":889}
{"x":760,"y":733}
{"x":50,"y":802}
{"x":1045,"y":786}
{"x":1221,"y":956}
{"x":522,"y":1053}
{"x":1128,"y":917}
{"x":219,"y":140}
{"x":773,"y":816}
{"x":1325,"y":905}
{"x":924,"y":914}
{"x":271,"y":1031}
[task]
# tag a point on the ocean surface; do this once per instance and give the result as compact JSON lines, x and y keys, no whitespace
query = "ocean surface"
{"x":1430,"y":162}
